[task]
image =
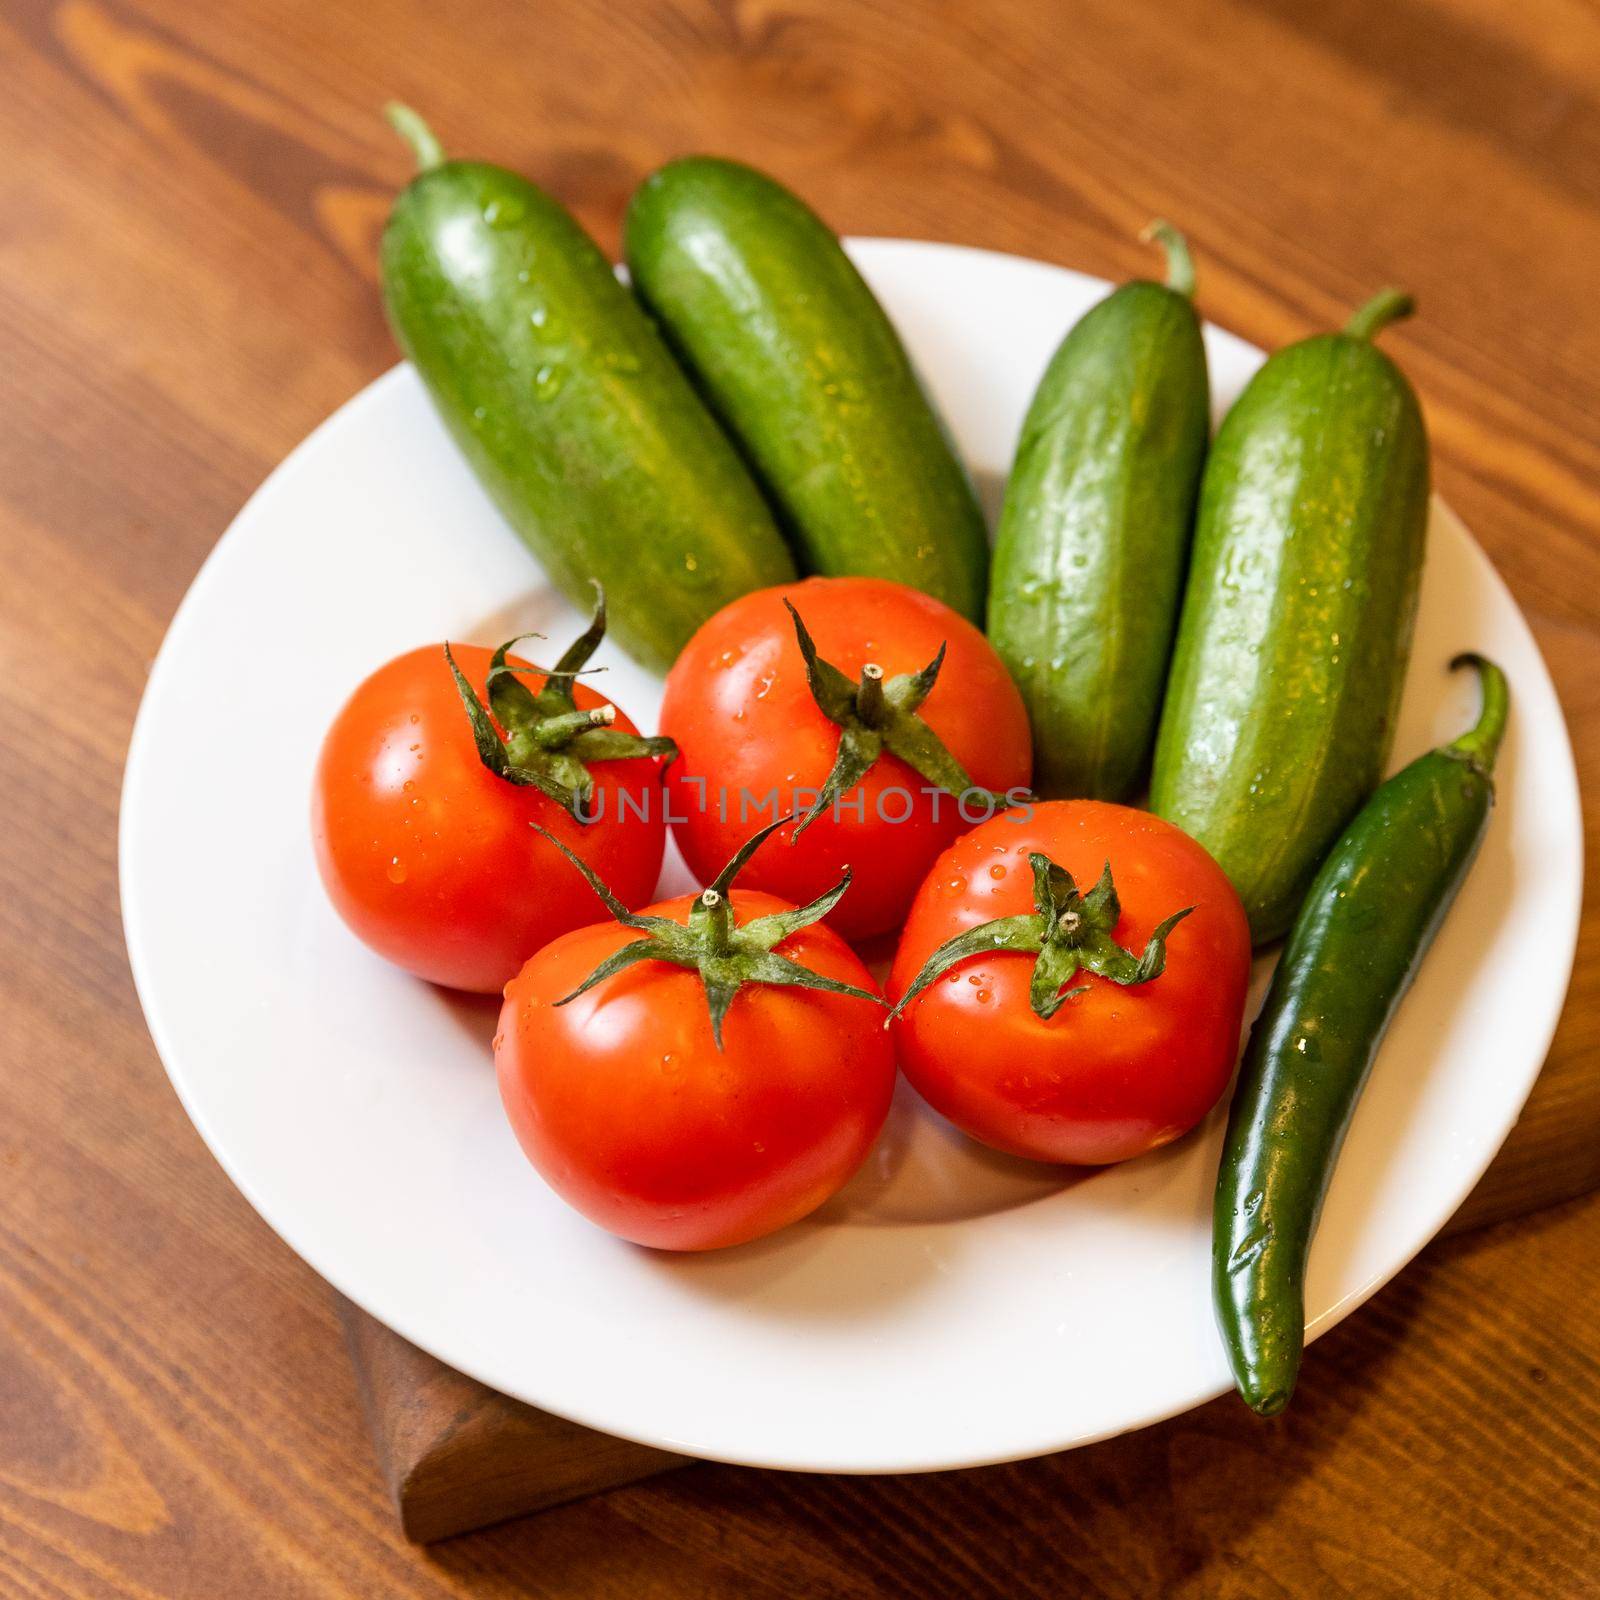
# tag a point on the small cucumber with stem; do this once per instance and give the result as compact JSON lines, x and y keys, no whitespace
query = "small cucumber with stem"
{"x":567,"y":404}
{"x":798,"y":359}
{"x":1297,"y":616}
{"x":1094,"y":535}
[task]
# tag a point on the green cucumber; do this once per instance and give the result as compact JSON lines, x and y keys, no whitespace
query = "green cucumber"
{"x":568,"y":405}
{"x":1094,"y":535}
{"x":797,"y":358}
{"x":1296,"y":625}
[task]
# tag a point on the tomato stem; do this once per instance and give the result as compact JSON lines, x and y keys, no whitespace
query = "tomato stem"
{"x":870,"y":705}
{"x":718,"y":922}
{"x":553,"y":732}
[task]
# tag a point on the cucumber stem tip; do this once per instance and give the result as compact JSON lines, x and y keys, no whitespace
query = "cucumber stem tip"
{"x":1180,"y":264}
{"x":1386,"y":306}
{"x":419,"y":137}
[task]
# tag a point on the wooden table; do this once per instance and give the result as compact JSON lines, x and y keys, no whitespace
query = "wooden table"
{"x":189,"y":199}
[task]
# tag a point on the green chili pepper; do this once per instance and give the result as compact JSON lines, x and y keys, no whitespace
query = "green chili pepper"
{"x":1371,"y":913}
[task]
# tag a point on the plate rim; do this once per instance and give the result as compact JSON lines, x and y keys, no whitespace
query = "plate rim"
{"x":884,"y":1462}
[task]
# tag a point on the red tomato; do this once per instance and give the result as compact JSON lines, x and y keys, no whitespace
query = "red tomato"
{"x":631,"y":1113}
{"x":750,"y":735}
{"x":1117,"y":1070}
{"x":429,"y":857}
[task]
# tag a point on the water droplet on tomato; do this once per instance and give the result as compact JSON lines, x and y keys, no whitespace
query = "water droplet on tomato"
{"x":758,"y":1147}
{"x":983,"y":997}
{"x":997,"y":871}
{"x":396,"y":870}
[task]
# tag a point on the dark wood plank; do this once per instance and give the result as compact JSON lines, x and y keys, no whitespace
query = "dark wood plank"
{"x":457,"y":1456}
{"x":188,"y":203}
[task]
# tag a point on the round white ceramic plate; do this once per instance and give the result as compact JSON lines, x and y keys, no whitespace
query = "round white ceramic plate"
{"x":950,"y":1307}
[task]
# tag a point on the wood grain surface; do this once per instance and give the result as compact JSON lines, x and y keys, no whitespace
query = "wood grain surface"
{"x":189,"y":199}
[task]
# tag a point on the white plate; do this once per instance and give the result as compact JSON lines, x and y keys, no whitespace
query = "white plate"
{"x":950,"y":1307}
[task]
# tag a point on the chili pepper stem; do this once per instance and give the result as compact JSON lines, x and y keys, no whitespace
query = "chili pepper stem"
{"x":1480,"y":744}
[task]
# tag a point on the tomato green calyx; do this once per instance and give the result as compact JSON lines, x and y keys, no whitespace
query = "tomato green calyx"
{"x":874,"y":715}
{"x":548,"y":743}
{"x":1067,"y":931}
{"x":725,"y":952}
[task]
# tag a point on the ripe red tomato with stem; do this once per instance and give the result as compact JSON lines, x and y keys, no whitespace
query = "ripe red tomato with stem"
{"x":872,"y":708}
{"x":700,"y":1073}
{"x":1071,"y":1024}
{"x":425,"y":790}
